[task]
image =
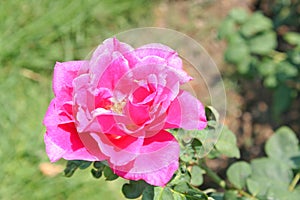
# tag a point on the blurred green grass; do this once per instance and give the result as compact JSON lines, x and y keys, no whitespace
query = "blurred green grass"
{"x":33,"y":35}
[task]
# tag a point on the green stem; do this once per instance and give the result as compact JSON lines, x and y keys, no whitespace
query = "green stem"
{"x":294,"y":182}
{"x":243,"y":193}
{"x":217,"y":179}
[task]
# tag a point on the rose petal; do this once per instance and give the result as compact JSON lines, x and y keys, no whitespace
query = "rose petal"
{"x":62,"y":139}
{"x":120,"y":150}
{"x":186,"y":112}
{"x":156,"y":162}
{"x":64,"y":73}
{"x":169,"y":55}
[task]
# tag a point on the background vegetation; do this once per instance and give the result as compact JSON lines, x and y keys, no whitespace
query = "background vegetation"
{"x":262,"y":49}
{"x":33,"y":36}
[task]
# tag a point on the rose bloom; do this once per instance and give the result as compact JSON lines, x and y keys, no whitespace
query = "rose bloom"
{"x":118,"y":106}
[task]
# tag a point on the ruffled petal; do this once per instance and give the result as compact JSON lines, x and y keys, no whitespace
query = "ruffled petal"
{"x":61,"y":138}
{"x":186,"y":112}
{"x":109,"y":62}
{"x":120,"y":150}
{"x":64,"y":74}
{"x":169,"y":55}
{"x":156,"y":162}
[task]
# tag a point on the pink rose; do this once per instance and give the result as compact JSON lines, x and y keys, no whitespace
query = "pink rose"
{"x":118,"y":106}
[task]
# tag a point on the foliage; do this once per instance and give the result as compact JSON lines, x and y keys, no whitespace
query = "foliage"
{"x":34,"y":35}
{"x":253,"y":49}
{"x":244,"y":180}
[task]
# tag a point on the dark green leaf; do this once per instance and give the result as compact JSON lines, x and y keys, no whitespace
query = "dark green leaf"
{"x":99,"y":165}
{"x":196,"y":196}
{"x":226,"y":143}
{"x":69,"y":171}
{"x":196,"y":175}
{"x":263,"y":43}
{"x":295,"y":162}
{"x":283,"y":145}
{"x":255,"y":24}
{"x":96,"y":173}
{"x":281,"y":100}
{"x":109,"y":174}
{"x":84,"y":164}
{"x":148,"y":193}
{"x":238,"y":173}
{"x":72,"y":166}
{"x":134,"y":189}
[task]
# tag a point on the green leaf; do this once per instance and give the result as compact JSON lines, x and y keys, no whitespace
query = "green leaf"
{"x":239,"y":15}
{"x":109,"y":174}
{"x":84,"y":164}
{"x":70,"y":168}
{"x":244,"y":67}
{"x":270,"y":81}
{"x":267,"y":67}
{"x":255,"y":24}
{"x":237,"y":52}
{"x":266,"y":169}
{"x":134,"y":189}
{"x":292,"y":38}
{"x":283,"y":145}
{"x":163,"y":193}
{"x":212,"y":114}
{"x":195,"y":194}
{"x":208,"y":138}
{"x":178,"y":196}
{"x":182,"y":187}
{"x":99,"y":165}
{"x":264,"y":43}
{"x":148,"y":193}
{"x":227,"y":28}
{"x":226,"y":144}
{"x":182,"y":176}
{"x":294,"y":56}
{"x":96,"y":173}
{"x":253,"y":186}
{"x":230,"y":195}
{"x":238,"y":173}
{"x":295,"y":161}
{"x":286,"y":69}
{"x":73,"y":165}
{"x":278,"y":192}
{"x":196,"y":175}
{"x":217,"y":196}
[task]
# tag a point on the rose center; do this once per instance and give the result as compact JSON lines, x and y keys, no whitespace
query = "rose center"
{"x":117,"y":107}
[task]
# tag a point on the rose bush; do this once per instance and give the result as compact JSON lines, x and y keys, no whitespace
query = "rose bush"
{"x":118,"y":106}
